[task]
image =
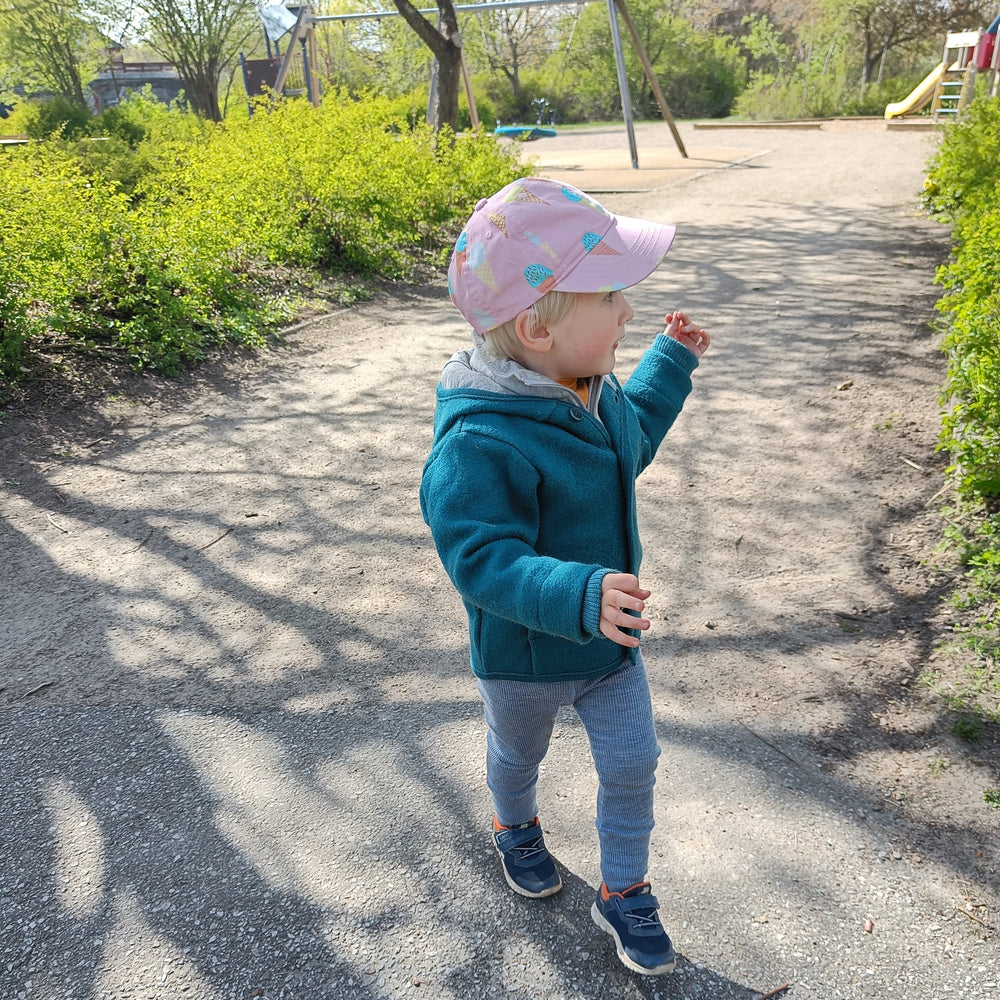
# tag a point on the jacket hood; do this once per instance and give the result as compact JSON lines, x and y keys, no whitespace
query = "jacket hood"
{"x":476,"y":370}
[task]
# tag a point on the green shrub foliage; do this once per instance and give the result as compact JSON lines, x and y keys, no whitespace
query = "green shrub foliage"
{"x":57,"y":118}
{"x":157,"y":238}
{"x":972,"y":342}
{"x":964,"y":174}
{"x":963,"y":188}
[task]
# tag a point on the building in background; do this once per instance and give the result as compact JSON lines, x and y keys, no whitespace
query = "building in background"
{"x":120,"y":78}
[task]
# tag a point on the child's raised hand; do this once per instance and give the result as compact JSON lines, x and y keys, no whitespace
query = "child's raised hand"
{"x":692,"y":336}
{"x":618,"y":591}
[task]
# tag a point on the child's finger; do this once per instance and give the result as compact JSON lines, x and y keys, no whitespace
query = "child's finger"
{"x":623,"y":612}
{"x":626,"y":599}
{"x":631,"y":591}
{"x":612,"y":628}
{"x":616,"y":635}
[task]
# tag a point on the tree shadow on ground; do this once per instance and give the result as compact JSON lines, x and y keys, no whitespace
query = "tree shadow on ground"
{"x":230,"y":762}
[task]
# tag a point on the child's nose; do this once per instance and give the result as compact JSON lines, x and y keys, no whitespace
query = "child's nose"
{"x":627,"y":311}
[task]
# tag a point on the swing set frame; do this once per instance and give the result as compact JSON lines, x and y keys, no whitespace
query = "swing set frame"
{"x":302,"y":31}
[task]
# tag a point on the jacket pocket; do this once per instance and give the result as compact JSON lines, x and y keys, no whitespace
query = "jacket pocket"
{"x":554,"y":658}
{"x":500,"y":648}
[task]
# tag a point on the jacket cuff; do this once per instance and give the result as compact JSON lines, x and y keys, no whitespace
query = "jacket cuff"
{"x":686,"y":360}
{"x":592,"y":603}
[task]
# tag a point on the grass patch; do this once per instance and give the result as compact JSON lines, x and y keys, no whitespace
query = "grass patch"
{"x":972,"y":684}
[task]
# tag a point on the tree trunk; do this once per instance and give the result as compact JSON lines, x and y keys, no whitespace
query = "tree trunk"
{"x":866,"y":72}
{"x":200,"y":90}
{"x":449,"y":84}
{"x":446,"y":44}
{"x":868,"y":61}
{"x":200,"y":37}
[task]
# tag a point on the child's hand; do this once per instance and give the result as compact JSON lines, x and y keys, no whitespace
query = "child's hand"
{"x":621,"y":590}
{"x":692,"y":336}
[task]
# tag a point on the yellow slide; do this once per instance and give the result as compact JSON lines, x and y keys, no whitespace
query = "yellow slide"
{"x":919,"y":96}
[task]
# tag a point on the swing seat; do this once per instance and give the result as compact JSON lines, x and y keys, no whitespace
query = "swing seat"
{"x":524,"y":132}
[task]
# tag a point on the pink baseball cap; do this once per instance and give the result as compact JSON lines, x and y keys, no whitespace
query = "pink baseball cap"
{"x":537,"y":235}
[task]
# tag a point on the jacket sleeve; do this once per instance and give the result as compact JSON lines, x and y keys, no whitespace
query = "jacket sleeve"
{"x":657,"y":390}
{"x":479,"y":497}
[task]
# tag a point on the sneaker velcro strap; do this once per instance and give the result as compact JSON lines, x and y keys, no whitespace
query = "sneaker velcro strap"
{"x":526,"y":842}
{"x":641,"y":912}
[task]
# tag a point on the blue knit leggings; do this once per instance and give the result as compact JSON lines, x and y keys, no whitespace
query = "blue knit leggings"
{"x":618,"y":716}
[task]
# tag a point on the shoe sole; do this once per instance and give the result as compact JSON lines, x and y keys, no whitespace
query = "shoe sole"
{"x":519,"y":889}
{"x":657,"y":970}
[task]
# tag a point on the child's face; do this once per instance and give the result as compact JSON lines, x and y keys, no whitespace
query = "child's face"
{"x":585,"y":339}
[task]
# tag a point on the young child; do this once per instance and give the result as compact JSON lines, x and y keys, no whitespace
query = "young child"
{"x":529,"y":492}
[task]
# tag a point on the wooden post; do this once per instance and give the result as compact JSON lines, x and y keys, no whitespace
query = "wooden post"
{"x":431,"y":116}
{"x":647,"y":68}
{"x":470,"y":97}
{"x":313,"y":63}
{"x":307,"y":72}
{"x":304,"y":17}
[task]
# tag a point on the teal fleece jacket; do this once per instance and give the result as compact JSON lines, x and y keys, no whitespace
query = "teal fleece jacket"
{"x":530,"y":499}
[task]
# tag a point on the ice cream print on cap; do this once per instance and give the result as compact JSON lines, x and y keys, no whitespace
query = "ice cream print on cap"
{"x":537,"y":235}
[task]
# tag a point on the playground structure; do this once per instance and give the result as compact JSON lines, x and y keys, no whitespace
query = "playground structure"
{"x":526,"y":133}
{"x":951,"y":85}
{"x":299,"y":22}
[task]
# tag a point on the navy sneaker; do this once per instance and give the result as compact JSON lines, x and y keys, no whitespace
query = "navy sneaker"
{"x":630,"y":917}
{"x":527,"y":865}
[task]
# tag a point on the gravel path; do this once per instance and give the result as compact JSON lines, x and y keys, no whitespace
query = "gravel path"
{"x":243,"y":752}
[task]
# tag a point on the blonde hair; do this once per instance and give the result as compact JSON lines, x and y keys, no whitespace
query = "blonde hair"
{"x":502,"y":340}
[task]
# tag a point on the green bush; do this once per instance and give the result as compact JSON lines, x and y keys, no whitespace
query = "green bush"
{"x":873,"y":99}
{"x":107,"y":160}
{"x":826,"y":84}
{"x":971,"y":428}
{"x":816,"y":89}
{"x":161,"y":251}
{"x":348,"y":187}
{"x":964,"y":174}
{"x":15,"y":325}
{"x":963,"y":188}
{"x":701,"y":79}
{"x":500,"y":103}
{"x":485,"y":109}
{"x":122,"y":144}
{"x":55,"y":119}
{"x":412,"y":107}
{"x":99,"y":272}
{"x":116,"y":122}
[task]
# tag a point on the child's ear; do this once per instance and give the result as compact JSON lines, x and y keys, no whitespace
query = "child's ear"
{"x":530,"y":333}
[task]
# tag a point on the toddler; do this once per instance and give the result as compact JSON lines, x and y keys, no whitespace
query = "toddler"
{"x":529,"y":491}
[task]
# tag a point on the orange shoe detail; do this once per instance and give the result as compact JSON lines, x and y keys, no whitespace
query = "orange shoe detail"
{"x":498,"y":826}
{"x":606,"y":893}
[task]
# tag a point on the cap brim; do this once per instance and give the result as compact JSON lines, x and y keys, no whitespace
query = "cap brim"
{"x":627,"y":253}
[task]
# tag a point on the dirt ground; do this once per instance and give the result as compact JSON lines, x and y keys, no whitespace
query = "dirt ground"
{"x":227,"y":575}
